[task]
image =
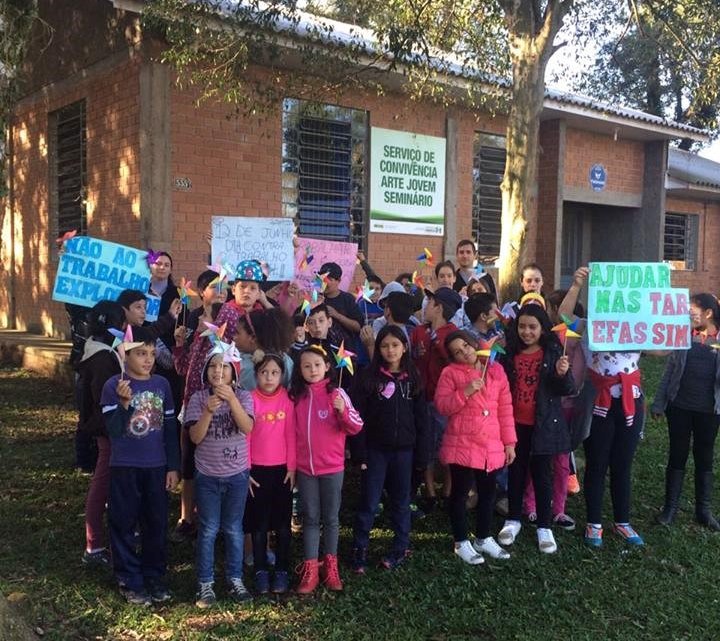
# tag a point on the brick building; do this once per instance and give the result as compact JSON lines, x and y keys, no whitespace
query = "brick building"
{"x":105,"y":142}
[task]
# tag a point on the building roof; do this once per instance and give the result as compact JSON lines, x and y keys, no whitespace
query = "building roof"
{"x":692,"y":175}
{"x":304,"y":25}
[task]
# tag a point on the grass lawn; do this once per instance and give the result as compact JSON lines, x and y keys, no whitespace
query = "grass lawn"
{"x":666,"y":590}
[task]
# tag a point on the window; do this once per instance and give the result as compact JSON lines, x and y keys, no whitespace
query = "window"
{"x":680,"y":244}
{"x":324,"y":172}
{"x":488,"y":170}
{"x":68,"y":169}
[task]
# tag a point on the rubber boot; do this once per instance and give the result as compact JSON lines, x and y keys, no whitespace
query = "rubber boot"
{"x":673,"y":490}
{"x":331,"y":573}
{"x":703,"y":500}
{"x":309,"y":576}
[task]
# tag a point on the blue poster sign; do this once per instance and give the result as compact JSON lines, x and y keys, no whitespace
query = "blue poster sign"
{"x":91,"y":270}
{"x":598,"y":177}
{"x":152,"y":308}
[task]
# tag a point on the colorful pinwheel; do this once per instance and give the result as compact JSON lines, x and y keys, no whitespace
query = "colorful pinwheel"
{"x":152,"y":257}
{"x":343,"y":358}
{"x":213,"y":332}
{"x":417,"y":281}
{"x":564,"y":331}
{"x":185,"y":291}
{"x":228,"y":351}
{"x":426,"y":257}
{"x":321,"y":281}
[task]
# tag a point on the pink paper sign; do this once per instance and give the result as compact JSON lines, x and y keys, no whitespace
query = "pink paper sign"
{"x":312,"y":253}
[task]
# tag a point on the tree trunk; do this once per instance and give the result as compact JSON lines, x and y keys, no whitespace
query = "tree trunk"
{"x":519,"y":186}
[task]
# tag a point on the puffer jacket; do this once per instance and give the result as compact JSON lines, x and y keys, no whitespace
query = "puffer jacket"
{"x":479,"y":426}
{"x":320,"y":431}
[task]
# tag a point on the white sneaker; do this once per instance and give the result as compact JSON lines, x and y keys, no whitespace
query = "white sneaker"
{"x":509,"y":532}
{"x":546,"y":540}
{"x":491,"y":548}
{"x":467,"y":553}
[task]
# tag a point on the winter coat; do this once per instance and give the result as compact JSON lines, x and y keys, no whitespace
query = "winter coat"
{"x":551,"y":433}
{"x":479,"y":426}
{"x":394,"y":415}
{"x":321,"y":431}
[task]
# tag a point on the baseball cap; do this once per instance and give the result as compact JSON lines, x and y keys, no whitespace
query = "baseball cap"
{"x":389,"y":289}
{"x":446,"y":296}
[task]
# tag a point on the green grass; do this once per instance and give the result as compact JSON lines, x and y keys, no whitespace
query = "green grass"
{"x":668,"y":590}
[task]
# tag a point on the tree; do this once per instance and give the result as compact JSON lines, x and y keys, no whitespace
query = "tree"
{"x":663,"y":58}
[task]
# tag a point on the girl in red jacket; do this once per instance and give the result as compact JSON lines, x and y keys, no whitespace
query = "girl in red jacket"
{"x":479,"y":440}
{"x":324,"y":416}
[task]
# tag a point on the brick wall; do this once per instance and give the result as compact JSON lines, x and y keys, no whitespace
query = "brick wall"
{"x":705,"y":277}
{"x":112,"y":119}
{"x":622,"y":159}
{"x":549,"y":163}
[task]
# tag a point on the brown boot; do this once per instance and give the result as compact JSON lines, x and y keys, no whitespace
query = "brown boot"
{"x":309,"y":577}
{"x":331,"y":573}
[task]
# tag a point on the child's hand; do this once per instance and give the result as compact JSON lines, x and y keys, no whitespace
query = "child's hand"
{"x":474,"y":386}
{"x":213,"y":403}
{"x":562,"y":366}
{"x":290,"y":478}
{"x":224,"y":392}
{"x":366,"y":335}
{"x":175,"y":308}
{"x":580,"y":276}
{"x":124,"y":392}
{"x":509,"y":454}
{"x":172,"y":478}
{"x":180,"y":335}
{"x":253,"y":483}
{"x":339,"y":404}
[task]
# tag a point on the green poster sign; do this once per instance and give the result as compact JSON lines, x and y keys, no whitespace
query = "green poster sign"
{"x":407,"y":183}
{"x":633,"y":307}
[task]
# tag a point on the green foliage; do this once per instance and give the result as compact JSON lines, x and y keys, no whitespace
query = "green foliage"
{"x":662,"y":57}
{"x":664,"y":591}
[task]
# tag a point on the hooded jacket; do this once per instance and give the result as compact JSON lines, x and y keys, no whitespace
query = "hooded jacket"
{"x":97,"y":365}
{"x":480,"y":425}
{"x":320,"y":431}
{"x":394,"y":417}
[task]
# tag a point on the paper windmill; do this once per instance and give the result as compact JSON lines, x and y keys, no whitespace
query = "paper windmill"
{"x":122,"y":344}
{"x":417,"y":281}
{"x":572,"y":324}
{"x":365,"y":292}
{"x":343,"y":358}
{"x":66,"y":236}
{"x":213,"y":332}
{"x":486,"y":348}
{"x":564,"y":332}
{"x":426,"y":257}
{"x":479,"y":271}
{"x":152,"y":257}
{"x":305,"y":307}
{"x":185,"y":291}
{"x":506,"y":314}
{"x":306,"y":259}
{"x":321,"y":281}
{"x":228,"y":351}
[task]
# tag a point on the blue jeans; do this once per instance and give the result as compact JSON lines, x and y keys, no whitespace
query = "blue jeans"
{"x":438,"y":425}
{"x":220,"y":506}
{"x":394,"y":468}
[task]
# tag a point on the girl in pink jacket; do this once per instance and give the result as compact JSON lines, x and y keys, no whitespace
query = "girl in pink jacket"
{"x":324,"y":416}
{"x":479,"y":440}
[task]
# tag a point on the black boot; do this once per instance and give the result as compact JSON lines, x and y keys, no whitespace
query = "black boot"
{"x":703,"y":500}
{"x":673,"y":490}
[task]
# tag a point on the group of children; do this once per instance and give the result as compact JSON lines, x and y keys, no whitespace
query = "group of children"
{"x":432,"y":381}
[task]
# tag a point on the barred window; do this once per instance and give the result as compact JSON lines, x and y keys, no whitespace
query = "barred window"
{"x":68,"y":169}
{"x":324,"y":175}
{"x":488,"y":169}
{"x":680,"y":241}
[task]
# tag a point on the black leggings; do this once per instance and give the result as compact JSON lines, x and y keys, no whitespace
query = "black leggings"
{"x":683,"y":425}
{"x":462,"y":480}
{"x":540,"y":466}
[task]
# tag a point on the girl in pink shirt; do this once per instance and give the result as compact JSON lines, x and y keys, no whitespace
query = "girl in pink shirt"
{"x":272,"y":472}
{"x":324,"y":416}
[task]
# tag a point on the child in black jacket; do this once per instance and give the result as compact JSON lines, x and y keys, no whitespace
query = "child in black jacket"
{"x":393,"y":441}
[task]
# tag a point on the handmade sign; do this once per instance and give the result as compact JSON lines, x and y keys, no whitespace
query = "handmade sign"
{"x":633,"y":307}
{"x":323,"y":251}
{"x":407,"y":183}
{"x":237,"y":238}
{"x":91,"y":270}
{"x":152,"y":308}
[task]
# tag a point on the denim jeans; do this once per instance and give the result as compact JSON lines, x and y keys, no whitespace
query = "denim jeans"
{"x":220,"y":506}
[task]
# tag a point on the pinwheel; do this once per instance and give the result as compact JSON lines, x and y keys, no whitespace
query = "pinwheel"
{"x":417,"y":281}
{"x":343,"y":358}
{"x":152,"y":257}
{"x":321,"y":281}
{"x":65,"y":237}
{"x":365,"y":293}
{"x":229,"y":352}
{"x":185,"y":291}
{"x":505,"y":315}
{"x":426,"y":257}
{"x":213,"y":332}
{"x":565,"y":331}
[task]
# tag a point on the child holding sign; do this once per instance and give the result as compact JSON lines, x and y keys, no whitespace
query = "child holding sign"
{"x":689,"y":394}
{"x":247,"y":295}
{"x":618,"y":418}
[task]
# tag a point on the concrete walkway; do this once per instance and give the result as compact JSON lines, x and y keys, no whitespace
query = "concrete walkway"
{"x":47,"y":356}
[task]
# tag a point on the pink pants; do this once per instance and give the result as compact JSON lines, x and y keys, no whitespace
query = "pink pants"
{"x":561,"y":472}
{"x":97,"y":497}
